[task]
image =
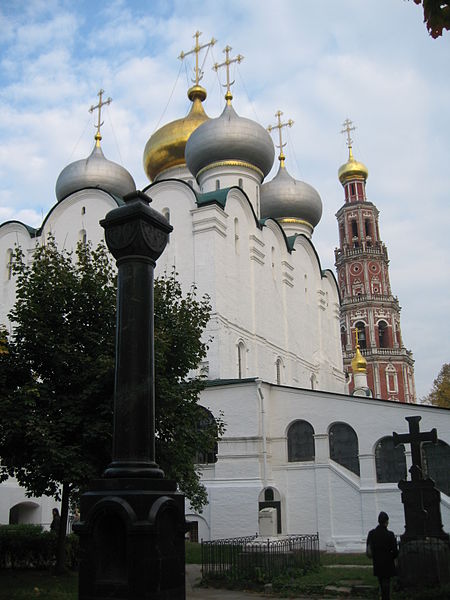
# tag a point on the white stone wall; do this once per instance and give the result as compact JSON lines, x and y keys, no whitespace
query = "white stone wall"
{"x":316,"y":496}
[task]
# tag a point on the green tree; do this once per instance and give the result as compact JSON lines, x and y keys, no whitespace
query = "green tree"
{"x":436,"y":15}
{"x":440,"y":392}
{"x":58,"y":373}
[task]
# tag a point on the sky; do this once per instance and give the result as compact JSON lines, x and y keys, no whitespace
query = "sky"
{"x":318,"y":61}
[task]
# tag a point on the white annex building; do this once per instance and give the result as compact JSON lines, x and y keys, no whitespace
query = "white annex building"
{"x":295,"y":439}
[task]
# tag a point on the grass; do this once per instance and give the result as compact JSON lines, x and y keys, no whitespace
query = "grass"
{"x":193,"y":553}
{"x":344,"y":559}
{"x":29,"y":585}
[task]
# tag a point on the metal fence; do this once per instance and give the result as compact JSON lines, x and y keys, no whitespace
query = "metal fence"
{"x":253,"y":559}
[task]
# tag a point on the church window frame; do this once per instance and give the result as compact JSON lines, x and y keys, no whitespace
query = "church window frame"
{"x":391,"y":379}
{"x":241,"y":359}
{"x":344,"y":446}
{"x":300,"y":441}
{"x":217,"y":184}
{"x":9,"y":263}
{"x":362,"y":338}
{"x":83,"y":210}
{"x":236,"y":235}
{"x":383,"y":337}
{"x":241,"y":183}
{"x":279,"y":370}
{"x":206,"y":420}
{"x":390,"y":461}
{"x":436,"y":458}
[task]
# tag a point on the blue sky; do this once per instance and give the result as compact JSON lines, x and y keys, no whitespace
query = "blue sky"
{"x":319,"y":61}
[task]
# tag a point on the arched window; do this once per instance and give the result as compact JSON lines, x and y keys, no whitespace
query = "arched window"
{"x":206,"y":424}
{"x":83,"y":210}
{"x":390,"y":461}
{"x":383,"y":334}
{"x":354,"y":229}
{"x":344,"y":446}
{"x":300,"y":439}
{"x":241,"y":183}
{"x":278,"y":366}
{"x":236,"y":235}
{"x":343,"y":336}
{"x":9,"y":263}
{"x":217,"y":184}
{"x":166,"y":214}
{"x":437,"y":459}
{"x":360,"y":326}
{"x":241,"y":360}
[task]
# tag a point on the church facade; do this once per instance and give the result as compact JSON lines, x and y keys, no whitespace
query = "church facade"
{"x":295,"y":439}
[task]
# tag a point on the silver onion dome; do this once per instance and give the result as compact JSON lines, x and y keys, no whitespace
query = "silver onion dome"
{"x":287,"y":198}
{"x":230,"y":139}
{"x":94,"y":171}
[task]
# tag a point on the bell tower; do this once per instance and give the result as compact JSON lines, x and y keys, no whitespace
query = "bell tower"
{"x":368,"y":308}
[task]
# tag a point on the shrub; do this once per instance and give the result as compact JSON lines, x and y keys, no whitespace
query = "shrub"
{"x":26,"y":546}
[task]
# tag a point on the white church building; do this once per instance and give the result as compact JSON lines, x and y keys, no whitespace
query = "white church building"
{"x":295,"y":440}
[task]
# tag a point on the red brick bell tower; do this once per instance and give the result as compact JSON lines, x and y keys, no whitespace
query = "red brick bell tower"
{"x":367,"y":303}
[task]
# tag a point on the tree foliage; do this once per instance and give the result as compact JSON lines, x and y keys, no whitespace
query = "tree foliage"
{"x":436,"y":15}
{"x":57,"y":375}
{"x":440,"y":392}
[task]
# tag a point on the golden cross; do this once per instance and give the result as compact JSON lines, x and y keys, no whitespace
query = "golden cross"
{"x":347,"y":125}
{"x":227,"y":62}
{"x":279,"y":126}
{"x":98,"y":136}
{"x":196,"y":49}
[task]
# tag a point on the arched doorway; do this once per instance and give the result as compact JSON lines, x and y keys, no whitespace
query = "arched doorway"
{"x":270,"y":498}
{"x":26,"y":512}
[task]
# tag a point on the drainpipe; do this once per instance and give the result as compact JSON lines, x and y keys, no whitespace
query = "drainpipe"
{"x":263,"y":430}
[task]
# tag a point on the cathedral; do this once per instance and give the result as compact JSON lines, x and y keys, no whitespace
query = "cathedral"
{"x":309,"y":372}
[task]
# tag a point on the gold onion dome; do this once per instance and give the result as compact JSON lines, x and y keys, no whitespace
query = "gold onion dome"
{"x":359,"y":363}
{"x":165,"y":148}
{"x":352,"y":169}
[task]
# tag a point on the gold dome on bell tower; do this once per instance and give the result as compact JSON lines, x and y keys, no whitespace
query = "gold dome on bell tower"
{"x":165,"y":148}
{"x":352,"y":169}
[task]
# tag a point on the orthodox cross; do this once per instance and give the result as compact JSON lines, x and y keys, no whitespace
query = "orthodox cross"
{"x":98,"y":136}
{"x":348,"y":126}
{"x":415,"y":437}
{"x":227,"y":62}
{"x":196,"y":49}
{"x":279,"y":126}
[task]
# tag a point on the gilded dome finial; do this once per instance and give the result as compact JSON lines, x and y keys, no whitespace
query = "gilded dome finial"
{"x":98,"y":135}
{"x":352,"y":169}
{"x":197,"y":91}
{"x":279,"y":126}
{"x":359,"y":363}
{"x":227,"y":62}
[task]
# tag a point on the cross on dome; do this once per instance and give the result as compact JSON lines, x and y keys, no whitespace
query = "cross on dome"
{"x":196,"y":49}
{"x":227,"y":62}
{"x":98,"y":136}
{"x":279,"y":126}
{"x":348,"y":126}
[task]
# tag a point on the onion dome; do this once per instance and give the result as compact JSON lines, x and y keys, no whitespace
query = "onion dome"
{"x":286,"y":198}
{"x":352,"y":169}
{"x":165,"y":148}
{"x":230,"y":140}
{"x":94,"y":171}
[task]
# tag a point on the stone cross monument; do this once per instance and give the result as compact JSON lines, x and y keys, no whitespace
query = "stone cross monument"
{"x":132,"y":520}
{"x":424,"y":556}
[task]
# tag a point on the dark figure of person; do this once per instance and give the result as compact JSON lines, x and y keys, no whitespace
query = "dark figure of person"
{"x":54,"y":525}
{"x":382,"y":548}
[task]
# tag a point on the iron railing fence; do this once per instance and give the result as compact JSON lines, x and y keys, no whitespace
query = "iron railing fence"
{"x":253,"y":559}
